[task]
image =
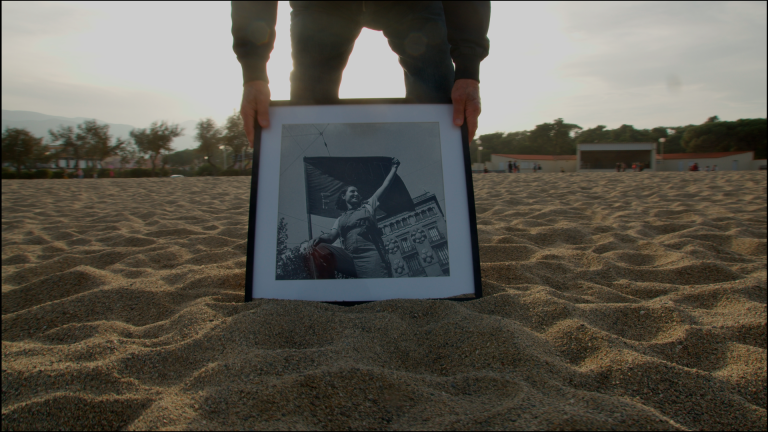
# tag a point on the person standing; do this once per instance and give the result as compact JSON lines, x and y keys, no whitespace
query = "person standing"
{"x":428,"y":37}
{"x":364,"y":254}
{"x":80,"y":173}
{"x":509,"y":167}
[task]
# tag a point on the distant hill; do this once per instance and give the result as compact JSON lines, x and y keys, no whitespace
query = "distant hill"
{"x":39,"y":124}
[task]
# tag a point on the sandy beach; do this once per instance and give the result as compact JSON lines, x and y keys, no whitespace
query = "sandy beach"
{"x":611,"y":301}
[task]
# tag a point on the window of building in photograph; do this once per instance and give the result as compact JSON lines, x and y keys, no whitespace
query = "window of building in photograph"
{"x":431,"y":211}
{"x":419,"y":217}
{"x":442,"y":254}
{"x":414,"y":268}
{"x":398,"y":224}
{"x":434,"y":234}
{"x":407,"y":245}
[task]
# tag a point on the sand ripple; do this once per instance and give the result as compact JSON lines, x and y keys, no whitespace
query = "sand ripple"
{"x":630,"y":301}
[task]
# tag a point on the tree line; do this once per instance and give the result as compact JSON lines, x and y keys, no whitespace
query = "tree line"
{"x":90,"y":140}
{"x":561,"y":138}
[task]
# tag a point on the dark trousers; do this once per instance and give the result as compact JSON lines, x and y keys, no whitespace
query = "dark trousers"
{"x":324,"y":33}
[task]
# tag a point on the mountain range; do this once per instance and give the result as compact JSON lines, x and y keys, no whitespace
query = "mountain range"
{"x":39,"y":124}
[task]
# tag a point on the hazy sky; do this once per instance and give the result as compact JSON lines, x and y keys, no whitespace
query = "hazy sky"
{"x":646,"y":64}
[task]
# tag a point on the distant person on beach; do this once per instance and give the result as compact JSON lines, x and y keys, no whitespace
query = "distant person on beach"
{"x":706,"y":169}
{"x":428,"y":37}
{"x":509,"y":167}
{"x":485,"y":169}
{"x":618,"y":167}
{"x":714,"y":167}
{"x":80,"y":173}
{"x":516,"y":167}
{"x":694,"y":167}
{"x":364,"y":254}
{"x":111,"y":174}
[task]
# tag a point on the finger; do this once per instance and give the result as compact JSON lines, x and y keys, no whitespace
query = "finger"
{"x":473,"y":113}
{"x":247,"y":116}
{"x":459,"y":103}
{"x":471,"y":126}
{"x":262,"y":112}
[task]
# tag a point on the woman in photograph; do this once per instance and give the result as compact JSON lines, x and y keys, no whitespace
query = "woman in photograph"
{"x":363,"y":254}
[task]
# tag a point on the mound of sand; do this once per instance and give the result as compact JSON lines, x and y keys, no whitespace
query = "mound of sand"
{"x":615,"y":300}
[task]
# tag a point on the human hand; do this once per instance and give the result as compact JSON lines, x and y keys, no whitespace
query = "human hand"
{"x":395,"y":163}
{"x":466,"y":104}
{"x":255,"y":105}
{"x":314,"y":242}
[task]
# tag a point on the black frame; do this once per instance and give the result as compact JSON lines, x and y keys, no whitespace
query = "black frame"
{"x":254,"y":202}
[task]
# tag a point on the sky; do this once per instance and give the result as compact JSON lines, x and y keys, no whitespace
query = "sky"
{"x":415,"y":145}
{"x":639,"y":63}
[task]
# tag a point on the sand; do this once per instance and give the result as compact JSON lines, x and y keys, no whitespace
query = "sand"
{"x":612,"y":301}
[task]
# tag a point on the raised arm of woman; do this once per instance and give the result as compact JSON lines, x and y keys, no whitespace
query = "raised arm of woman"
{"x":374,"y":200}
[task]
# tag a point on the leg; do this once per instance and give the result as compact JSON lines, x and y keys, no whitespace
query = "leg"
{"x":327,"y":259}
{"x":321,"y":41}
{"x":416,"y":32}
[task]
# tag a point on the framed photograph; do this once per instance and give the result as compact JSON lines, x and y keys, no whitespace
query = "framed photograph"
{"x":362,"y":201}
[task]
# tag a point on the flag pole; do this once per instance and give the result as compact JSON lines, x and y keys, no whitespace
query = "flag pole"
{"x":306,"y":195}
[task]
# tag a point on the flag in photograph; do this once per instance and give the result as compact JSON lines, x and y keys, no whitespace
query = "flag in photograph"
{"x":327,"y":176}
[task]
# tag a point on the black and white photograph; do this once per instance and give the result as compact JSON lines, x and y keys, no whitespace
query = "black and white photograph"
{"x":361,"y":200}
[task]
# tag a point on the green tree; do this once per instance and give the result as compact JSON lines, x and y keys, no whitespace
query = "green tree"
{"x":96,"y":141}
{"x":64,"y":136}
{"x":182,"y":158}
{"x":156,"y":140}
{"x":723,"y":136}
{"x":19,"y":146}
{"x":209,"y":137}
{"x":627,"y":134}
{"x":554,"y":138}
{"x":597,"y":134}
{"x":129,"y":153}
{"x":290,"y":262}
{"x":233,"y":136}
{"x":674,"y":143}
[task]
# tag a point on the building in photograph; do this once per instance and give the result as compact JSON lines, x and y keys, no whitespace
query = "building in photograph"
{"x":416,"y":241}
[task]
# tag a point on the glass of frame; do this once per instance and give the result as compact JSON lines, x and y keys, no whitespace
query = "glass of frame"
{"x":360,"y":201}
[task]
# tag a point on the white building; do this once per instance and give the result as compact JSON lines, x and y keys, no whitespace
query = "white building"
{"x":548,"y":163}
{"x":724,"y":161}
{"x":605,"y":156}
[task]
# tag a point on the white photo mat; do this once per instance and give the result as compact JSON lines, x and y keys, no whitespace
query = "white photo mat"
{"x":461,"y":279}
